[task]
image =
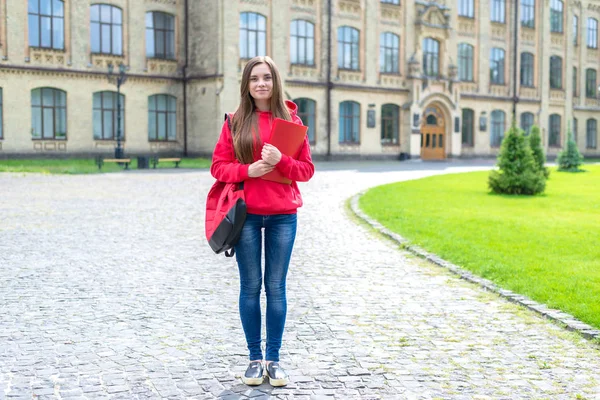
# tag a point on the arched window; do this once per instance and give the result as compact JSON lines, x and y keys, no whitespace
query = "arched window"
{"x":389,"y":53}
{"x":105,"y":116}
{"x":106,"y":25}
{"x":554,"y":131}
{"x":302,"y":42}
{"x":253,"y":35}
{"x":46,"y":22}
{"x":48,"y":113}
{"x":390,"y":124}
{"x":468,"y":127}
{"x":465,"y":62}
{"x":592,"y":33}
{"x":160,"y":35}
{"x":431,"y":57}
{"x":307,"y":113}
{"x":348,"y":48}
{"x":526,"y":122}
{"x":555,"y":72}
{"x":497,"y":66}
{"x":591,"y":134}
{"x":556,"y":16}
{"x":527,"y":69}
{"x":162,"y":117}
{"x":498,"y":125}
{"x":349,"y":121}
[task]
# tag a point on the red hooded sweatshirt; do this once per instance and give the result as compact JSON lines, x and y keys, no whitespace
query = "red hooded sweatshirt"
{"x":264,"y":197}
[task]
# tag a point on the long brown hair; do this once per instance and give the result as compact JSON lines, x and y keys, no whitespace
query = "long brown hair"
{"x":245,"y":123}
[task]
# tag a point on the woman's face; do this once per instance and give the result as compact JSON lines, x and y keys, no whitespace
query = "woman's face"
{"x":261,"y":82}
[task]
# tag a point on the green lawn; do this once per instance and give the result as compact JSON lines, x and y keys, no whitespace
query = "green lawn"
{"x":546,"y":247}
{"x":86,"y":166}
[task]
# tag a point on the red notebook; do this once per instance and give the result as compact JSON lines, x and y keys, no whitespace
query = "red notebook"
{"x":288,"y":137}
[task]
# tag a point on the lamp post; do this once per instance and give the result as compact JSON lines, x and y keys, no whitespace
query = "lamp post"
{"x":118,"y":80}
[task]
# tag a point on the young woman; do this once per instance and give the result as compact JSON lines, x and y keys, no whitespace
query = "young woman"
{"x":244,"y":156}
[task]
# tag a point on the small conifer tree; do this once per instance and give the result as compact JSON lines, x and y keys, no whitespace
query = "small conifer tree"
{"x":518,"y":171}
{"x":570,"y":159}
{"x":535,"y":142}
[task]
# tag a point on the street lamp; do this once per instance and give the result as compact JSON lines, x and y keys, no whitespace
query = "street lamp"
{"x":118,"y":80}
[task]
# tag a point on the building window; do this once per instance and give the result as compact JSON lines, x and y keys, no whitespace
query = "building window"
{"x":590,"y":83}
{"x":555,"y":72}
{"x":556,"y":16}
{"x":160,"y":35}
{"x":107,"y":29}
{"x":466,"y":8}
{"x":554,"y":131}
{"x":348,"y":47}
{"x":575,"y":29}
{"x":397,"y":2}
{"x":162,"y":117}
{"x":389,"y":53}
{"x":498,"y":119}
{"x":497,"y":66}
{"x":527,"y":69}
{"x":431,"y":57}
{"x":307,"y":113}
{"x":349,"y":122}
{"x":526,"y":122}
{"x":47,"y":24}
{"x":48,"y":114}
{"x":498,"y":11}
{"x":253,"y":35}
{"x":575,"y":128}
{"x":465,"y":62}
{"x":302,"y":42}
{"x":528,"y":13}
{"x":1,"y":134}
{"x":105,"y":115}
{"x":575,"y":82}
{"x":591,"y":134}
{"x":468,"y":127}
{"x":390,"y":124}
{"x":592,"y":36}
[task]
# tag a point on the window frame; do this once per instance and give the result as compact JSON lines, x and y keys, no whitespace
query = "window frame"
{"x":528,"y":10}
{"x":1,"y":116}
{"x":498,"y":11}
{"x":55,"y":110}
{"x":466,"y":9}
{"x":393,"y":118}
{"x":554,"y":131}
{"x":575,"y":30}
{"x":467,"y":127}
{"x":354,"y":119}
{"x":167,"y":113}
{"x":527,"y":70}
{"x":53,"y":20}
{"x":557,"y":16}
{"x":164,"y":33}
{"x":111,"y":25}
{"x":353,"y":46}
{"x":592,"y":33}
{"x":591,"y":88}
{"x":591,"y":141}
{"x":431,"y":57}
{"x":527,"y":120}
{"x":394,"y":2}
{"x":389,"y":52}
{"x":494,"y":126}
{"x":306,"y":116}
{"x":556,"y":69}
{"x":495,"y":63}
{"x":296,"y":38}
{"x":575,"y":82}
{"x":113,"y":111}
{"x":466,"y":60}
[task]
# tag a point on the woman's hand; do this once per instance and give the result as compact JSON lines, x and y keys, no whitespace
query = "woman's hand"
{"x":259,"y":168}
{"x":271,"y":154}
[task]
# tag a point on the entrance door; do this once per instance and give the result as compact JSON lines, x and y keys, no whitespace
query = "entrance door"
{"x":433,"y":135}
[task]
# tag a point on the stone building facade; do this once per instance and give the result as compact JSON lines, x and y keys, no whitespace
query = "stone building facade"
{"x":389,"y":78}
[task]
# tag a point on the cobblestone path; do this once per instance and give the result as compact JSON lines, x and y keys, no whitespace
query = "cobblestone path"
{"x":108,"y":290}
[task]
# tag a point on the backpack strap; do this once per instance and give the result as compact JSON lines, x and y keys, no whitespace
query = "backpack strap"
{"x":228,"y":119}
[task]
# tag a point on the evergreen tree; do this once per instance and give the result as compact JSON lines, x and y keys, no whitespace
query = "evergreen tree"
{"x":570,"y":159}
{"x":535,"y":142}
{"x":518,"y":171}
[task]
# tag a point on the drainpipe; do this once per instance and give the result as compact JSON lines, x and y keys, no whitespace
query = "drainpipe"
{"x":329,"y":84}
{"x":185,"y":132}
{"x":515,"y":54}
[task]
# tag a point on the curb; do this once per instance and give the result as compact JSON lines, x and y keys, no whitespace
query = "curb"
{"x":569,"y":321}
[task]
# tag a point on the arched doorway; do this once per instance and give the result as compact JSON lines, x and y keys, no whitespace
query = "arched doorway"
{"x":433,"y":134}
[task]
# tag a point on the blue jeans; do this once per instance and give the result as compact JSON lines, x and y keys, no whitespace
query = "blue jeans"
{"x":279,"y":235}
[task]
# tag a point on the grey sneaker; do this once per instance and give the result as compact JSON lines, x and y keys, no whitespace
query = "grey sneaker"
{"x":277,"y":375}
{"x":255,"y":374}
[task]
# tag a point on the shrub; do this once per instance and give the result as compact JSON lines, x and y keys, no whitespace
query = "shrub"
{"x":518,"y":171}
{"x":570,"y":158}
{"x":535,"y":142}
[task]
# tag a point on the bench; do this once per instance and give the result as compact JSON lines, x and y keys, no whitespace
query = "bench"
{"x":100,"y":161}
{"x":157,"y":160}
